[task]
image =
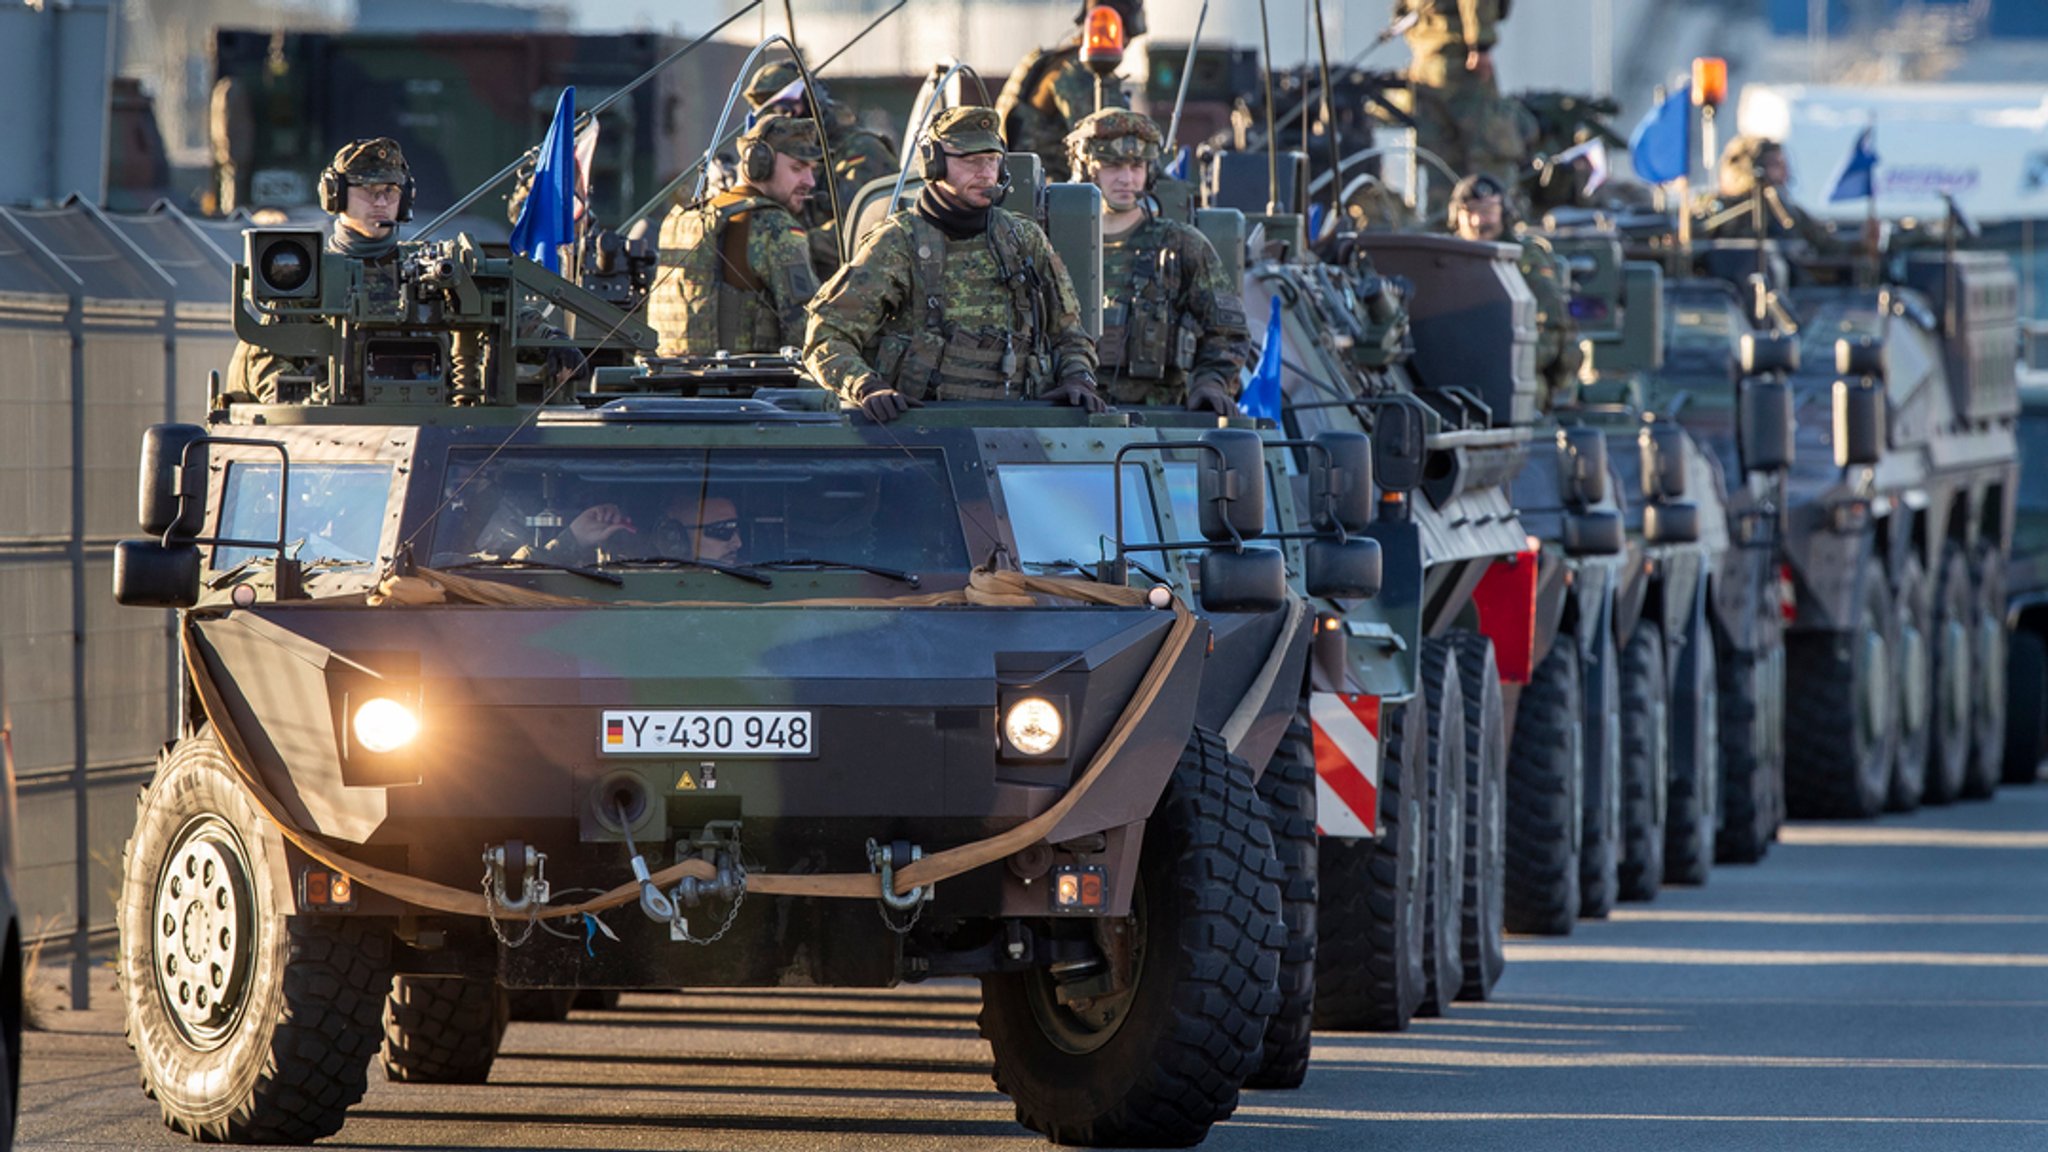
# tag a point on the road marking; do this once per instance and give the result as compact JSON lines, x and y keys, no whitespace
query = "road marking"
{"x":1762,"y":957}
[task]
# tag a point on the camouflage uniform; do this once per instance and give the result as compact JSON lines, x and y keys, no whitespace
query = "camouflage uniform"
{"x":1732,"y":213}
{"x":253,"y":373}
{"x":991,"y":316}
{"x":1459,"y":114}
{"x":858,"y":156}
{"x":1172,"y":323}
{"x":1051,"y":91}
{"x":737,"y":267}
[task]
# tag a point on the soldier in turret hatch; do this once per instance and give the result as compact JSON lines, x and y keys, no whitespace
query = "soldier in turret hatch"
{"x":954,"y":298}
{"x":1173,"y":328}
{"x":1051,"y":91}
{"x":1480,"y":211}
{"x":858,"y":155}
{"x":1753,"y":168}
{"x":736,"y":269}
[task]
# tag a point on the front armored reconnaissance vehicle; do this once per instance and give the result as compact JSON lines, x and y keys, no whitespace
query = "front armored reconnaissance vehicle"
{"x":687,"y":678}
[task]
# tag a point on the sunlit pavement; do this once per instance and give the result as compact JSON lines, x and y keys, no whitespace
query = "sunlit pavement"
{"x":1866,"y":987}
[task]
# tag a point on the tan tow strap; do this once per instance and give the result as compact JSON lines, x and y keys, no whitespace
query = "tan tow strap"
{"x":983,"y":587}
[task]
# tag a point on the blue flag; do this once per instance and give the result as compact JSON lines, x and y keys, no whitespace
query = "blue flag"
{"x":547,"y":219}
{"x":1178,"y":170}
{"x":1261,"y":399}
{"x":1857,"y":178}
{"x":1661,"y":145}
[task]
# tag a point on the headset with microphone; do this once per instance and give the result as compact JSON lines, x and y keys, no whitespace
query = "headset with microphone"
{"x":334,"y":185}
{"x":931,"y":158}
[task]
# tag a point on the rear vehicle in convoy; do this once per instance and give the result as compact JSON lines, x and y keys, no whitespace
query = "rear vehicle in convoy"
{"x":828,"y":703}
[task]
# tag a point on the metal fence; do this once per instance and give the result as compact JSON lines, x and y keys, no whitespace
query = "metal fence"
{"x":108,"y":323}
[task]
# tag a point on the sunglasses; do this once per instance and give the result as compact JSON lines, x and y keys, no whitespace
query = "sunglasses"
{"x":720,"y":530}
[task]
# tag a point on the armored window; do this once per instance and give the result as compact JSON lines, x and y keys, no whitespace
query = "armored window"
{"x":334,"y":513}
{"x":1064,"y":515}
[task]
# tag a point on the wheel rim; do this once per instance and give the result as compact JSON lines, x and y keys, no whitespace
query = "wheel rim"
{"x":1955,"y":681}
{"x":1876,"y":694}
{"x":1082,"y":1026}
{"x":202,"y":943}
{"x":1991,"y":665}
{"x":1913,"y":685}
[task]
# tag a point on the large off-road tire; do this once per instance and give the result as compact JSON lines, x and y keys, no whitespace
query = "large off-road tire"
{"x":1913,"y":610}
{"x":539,"y":1005}
{"x":1841,"y":724}
{"x":1600,"y":844}
{"x":252,"y":1025}
{"x":442,"y":1029}
{"x":1159,"y":1062}
{"x":1645,"y":762}
{"x":597,"y":999}
{"x":1369,"y":971}
{"x":2026,"y":707}
{"x":1443,"y":913}
{"x":1546,"y":769}
{"x":1289,"y":790}
{"x":1987,"y":653}
{"x":1485,"y":812}
{"x":1948,"y":754}
{"x":1752,"y":688}
{"x":1693,"y":803}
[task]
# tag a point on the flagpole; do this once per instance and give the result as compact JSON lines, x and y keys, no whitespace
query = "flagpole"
{"x":1870,"y":227}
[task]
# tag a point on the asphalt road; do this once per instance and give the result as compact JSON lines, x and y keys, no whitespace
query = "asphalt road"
{"x":1868,"y":987}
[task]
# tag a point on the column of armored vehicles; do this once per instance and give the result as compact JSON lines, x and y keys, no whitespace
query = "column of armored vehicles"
{"x":1185,"y":737}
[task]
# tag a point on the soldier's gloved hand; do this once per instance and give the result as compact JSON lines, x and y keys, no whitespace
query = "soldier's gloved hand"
{"x":1079,"y":392}
{"x":885,"y":404}
{"x":1209,"y":395}
{"x":563,"y":364}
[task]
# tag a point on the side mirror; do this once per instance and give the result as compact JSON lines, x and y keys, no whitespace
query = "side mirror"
{"x":1861,"y":356}
{"x":1594,"y":532}
{"x":1233,"y":485}
{"x":1763,"y":432}
{"x":1347,"y":571}
{"x":1340,"y":481}
{"x":1254,"y":580}
{"x":284,"y":263}
{"x":1400,"y":437}
{"x":1671,"y":522}
{"x":1662,"y":449}
{"x":148,"y":574}
{"x":1582,"y":460}
{"x":1859,"y":422}
{"x":1764,"y":352}
{"x":171,"y":496}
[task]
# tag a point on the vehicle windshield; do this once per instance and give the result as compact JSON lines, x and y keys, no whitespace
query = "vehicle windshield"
{"x":2033,"y":446}
{"x":622,"y":508}
{"x":1065,"y":514}
{"x":334,"y":513}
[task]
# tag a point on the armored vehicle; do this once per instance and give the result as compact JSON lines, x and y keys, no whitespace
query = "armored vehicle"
{"x":2026,"y":595}
{"x":713,"y":687}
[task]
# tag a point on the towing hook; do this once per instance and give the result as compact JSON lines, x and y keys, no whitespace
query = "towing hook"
{"x":728,"y":884}
{"x":516,"y":867}
{"x":885,"y":861}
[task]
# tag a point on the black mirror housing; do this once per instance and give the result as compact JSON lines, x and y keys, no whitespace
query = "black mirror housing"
{"x":1671,"y":522}
{"x":1254,"y":580}
{"x":1340,"y":481}
{"x":1859,"y":422}
{"x":1594,"y":532}
{"x":1400,"y":436}
{"x":1582,"y":465}
{"x":148,"y":574}
{"x":1664,"y":451}
{"x":1764,"y":424}
{"x":1348,"y":571}
{"x":1861,"y":356}
{"x":1233,"y":485}
{"x":162,"y":475}
{"x":1767,"y":352}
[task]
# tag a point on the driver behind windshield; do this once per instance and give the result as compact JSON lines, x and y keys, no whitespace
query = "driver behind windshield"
{"x":699,"y":530}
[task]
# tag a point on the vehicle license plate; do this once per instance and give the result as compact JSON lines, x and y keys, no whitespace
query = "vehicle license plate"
{"x":707,"y":732}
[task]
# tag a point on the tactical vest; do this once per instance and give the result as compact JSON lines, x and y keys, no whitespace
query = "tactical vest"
{"x":1145,"y":334}
{"x":724,"y":303}
{"x":933,"y":356}
{"x":1017,"y":93}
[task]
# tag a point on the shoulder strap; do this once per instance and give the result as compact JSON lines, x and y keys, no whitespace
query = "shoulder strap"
{"x":927,"y":268}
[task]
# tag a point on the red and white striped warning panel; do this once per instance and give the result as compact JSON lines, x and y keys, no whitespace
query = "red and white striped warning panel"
{"x":1347,"y":732}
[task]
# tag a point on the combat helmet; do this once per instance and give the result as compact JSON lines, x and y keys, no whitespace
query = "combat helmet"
{"x":770,"y":81}
{"x":1112,"y":135}
{"x":1742,"y":160}
{"x":1478,"y":186}
{"x":377,"y":160}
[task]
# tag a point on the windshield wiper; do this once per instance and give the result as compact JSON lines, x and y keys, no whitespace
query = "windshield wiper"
{"x":544,"y":565}
{"x":1088,"y":571}
{"x":895,"y":574}
{"x":737,"y":571}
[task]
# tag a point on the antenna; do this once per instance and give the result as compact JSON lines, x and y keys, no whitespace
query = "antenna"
{"x":1272,"y":142}
{"x":1330,"y":119}
{"x":1187,"y":71}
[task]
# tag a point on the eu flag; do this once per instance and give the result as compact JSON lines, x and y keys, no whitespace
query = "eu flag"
{"x":547,"y":218}
{"x":1857,"y":178}
{"x":1661,"y":145}
{"x":1261,"y":399}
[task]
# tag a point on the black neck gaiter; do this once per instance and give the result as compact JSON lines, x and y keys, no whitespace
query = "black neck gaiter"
{"x":349,"y":242}
{"x":944,"y":210}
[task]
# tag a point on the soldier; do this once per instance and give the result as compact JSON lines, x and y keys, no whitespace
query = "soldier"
{"x":1173,"y":328}
{"x":1452,"y":96}
{"x":1051,"y":91}
{"x":1753,"y":167}
{"x":369,"y":189}
{"x":1479,"y":211}
{"x":858,"y":155}
{"x":953,"y":298}
{"x":737,"y":267}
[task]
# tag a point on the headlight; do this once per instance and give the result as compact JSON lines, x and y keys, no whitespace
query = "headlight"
{"x":384,"y":725}
{"x":1033,"y":726}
